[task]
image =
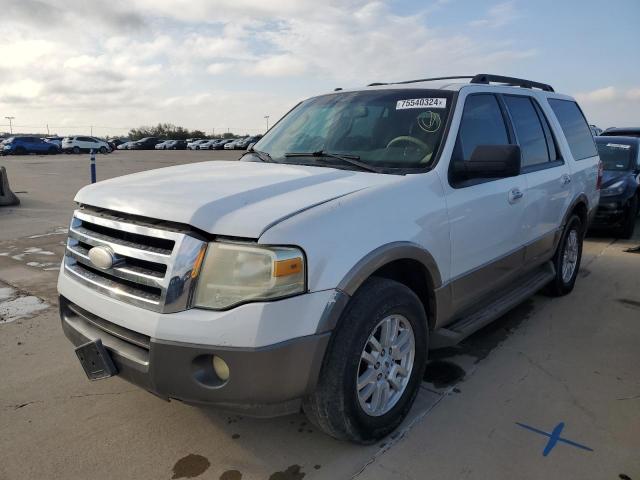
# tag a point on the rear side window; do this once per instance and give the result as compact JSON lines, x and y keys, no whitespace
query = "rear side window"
{"x":529,"y":132}
{"x":482,"y":124}
{"x":575,"y":128}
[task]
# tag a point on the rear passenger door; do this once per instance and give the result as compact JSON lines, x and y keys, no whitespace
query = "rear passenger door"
{"x":548,"y":178}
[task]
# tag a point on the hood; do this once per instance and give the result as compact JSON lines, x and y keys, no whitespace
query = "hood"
{"x":240,"y":199}
{"x":609,"y":177}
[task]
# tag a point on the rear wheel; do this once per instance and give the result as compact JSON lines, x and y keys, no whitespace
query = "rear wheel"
{"x":567,"y":258}
{"x":373,"y":365}
{"x":76,"y":150}
{"x":629,"y":223}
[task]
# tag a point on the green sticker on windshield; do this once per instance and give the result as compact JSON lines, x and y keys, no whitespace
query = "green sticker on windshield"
{"x":429,"y":121}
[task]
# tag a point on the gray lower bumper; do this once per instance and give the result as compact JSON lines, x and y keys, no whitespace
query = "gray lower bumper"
{"x":262,"y":381}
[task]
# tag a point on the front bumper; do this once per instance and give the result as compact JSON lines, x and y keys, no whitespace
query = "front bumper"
{"x":263,"y":381}
{"x":611,"y":212}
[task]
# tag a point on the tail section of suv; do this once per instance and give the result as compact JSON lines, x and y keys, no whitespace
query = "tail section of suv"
{"x":320,"y":269}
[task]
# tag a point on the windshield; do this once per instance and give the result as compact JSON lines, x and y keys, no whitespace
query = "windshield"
{"x":384,"y":128}
{"x":616,"y":156}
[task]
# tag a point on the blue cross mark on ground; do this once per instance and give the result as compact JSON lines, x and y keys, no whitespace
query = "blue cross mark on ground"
{"x":554,"y":438}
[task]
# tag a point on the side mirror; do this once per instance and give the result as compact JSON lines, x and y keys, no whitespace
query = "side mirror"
{"x":491,"y":161}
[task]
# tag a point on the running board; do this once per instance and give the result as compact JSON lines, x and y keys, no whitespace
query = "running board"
{"x":513,"y":296}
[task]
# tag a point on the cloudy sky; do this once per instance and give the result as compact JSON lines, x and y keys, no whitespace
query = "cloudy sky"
{"x":219,"y":64}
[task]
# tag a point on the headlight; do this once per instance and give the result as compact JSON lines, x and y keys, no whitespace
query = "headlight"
{"x":615,"y":189}
{"x":234,"y":273}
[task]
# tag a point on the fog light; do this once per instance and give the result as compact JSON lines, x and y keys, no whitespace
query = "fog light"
{"x":221,"y":368}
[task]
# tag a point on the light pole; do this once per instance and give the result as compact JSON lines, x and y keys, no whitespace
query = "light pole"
{"x":267,"y":119}
{"x":10,"y":124}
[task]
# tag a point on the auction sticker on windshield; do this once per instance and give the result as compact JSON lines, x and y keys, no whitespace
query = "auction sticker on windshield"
{"x":421,"y":103}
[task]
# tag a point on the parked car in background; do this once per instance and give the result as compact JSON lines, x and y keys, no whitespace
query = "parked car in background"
{"x":459,"y":200}
{"x":84,"y":144}
{"x":244,"y":143}
{"x":57,"y":141}
{"x":176,"y":145}
{"x":146,"y":143}
{"x":22,"y":145}
{"x":195,"y":145}
{"x":595,"y":131}
{"x":114,"y":143}
{"x":621,"y":132}
{"x":620,"y":194}
{"x":162,"y":145}
{"x":220,"y":145}
{"x":209,"y":144}
{"x":124,"y":146}
{"x":232,"y":145}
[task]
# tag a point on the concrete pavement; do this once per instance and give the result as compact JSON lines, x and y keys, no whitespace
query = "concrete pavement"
{"x":572,"y":360}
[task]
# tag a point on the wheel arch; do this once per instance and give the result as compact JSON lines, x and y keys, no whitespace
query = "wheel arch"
{"x":404,"y":262}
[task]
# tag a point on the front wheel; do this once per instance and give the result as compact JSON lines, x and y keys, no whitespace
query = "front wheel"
{"x":373,"y":366}
{"x":76,"y":150}
{"x":567,"y":258}
{"x":103,"y":150}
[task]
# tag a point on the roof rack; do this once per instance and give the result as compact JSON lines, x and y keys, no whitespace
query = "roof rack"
{"x":487,"y":78}
{"x":481,"y":78}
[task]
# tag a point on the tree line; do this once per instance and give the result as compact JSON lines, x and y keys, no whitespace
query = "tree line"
{"x":173,"y":132}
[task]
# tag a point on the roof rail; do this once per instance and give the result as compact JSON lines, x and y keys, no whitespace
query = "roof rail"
{"x":376,"y":84}
{"x":484,"y":78}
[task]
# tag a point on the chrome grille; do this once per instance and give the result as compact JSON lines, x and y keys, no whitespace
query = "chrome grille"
{"x":154,"y":264}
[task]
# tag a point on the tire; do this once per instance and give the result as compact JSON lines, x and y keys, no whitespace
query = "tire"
{"x":52,"y":151}
{"x":103,"y":150}
{"x":571,"y":243}
{"x":76,"y":150}
{"x":629,"y":224}
{"x":20,"y":151}
{"x":337,"y":407}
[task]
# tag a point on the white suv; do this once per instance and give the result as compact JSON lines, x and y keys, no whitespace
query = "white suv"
{"x":366,"y":227}
{"x":84,"y":144}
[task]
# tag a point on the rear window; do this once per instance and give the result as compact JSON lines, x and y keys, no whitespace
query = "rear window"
{"x":575,"y":128}
{"x":616,"y":156}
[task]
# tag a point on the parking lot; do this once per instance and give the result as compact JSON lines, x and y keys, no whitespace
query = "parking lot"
{"x":563,"y":369}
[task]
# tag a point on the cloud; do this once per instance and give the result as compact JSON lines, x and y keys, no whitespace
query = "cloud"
{"x":633,"y":94}
{"x":600,"y":95}
{"x":498,"y":16}
{"x":277,"y":66}
{"x":218,"y":68}
{"x":129,"y":61}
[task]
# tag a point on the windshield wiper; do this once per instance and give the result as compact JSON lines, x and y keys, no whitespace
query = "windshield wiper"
{"x":263,"y":156}
{"x":346,"y":158}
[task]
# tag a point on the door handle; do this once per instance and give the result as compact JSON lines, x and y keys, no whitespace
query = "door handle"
{"x":565,"y":179}
{"x":515,"y":194}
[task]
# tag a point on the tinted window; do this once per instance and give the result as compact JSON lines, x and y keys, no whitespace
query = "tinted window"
{"x":575,"y":128}
{"x":551,"y":142}
{"x":616,"y":155}
{"x":482,"y":124}
{"x":528,"y":129}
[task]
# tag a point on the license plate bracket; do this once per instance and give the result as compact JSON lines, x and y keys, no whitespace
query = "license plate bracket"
{"x":95,"y":360}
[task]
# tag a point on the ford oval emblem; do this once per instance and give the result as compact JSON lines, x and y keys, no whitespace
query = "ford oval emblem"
{"x":102,"y":257}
